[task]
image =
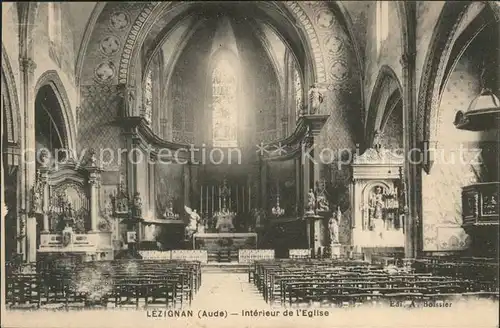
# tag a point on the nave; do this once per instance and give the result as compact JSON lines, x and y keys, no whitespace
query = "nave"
{"x":317,"y":292}
{"x":276,"y":155}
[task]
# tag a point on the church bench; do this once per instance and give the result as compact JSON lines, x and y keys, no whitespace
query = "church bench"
{"x":91,"y":283}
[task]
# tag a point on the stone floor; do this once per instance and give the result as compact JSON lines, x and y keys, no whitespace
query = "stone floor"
{"x":224,"y":296}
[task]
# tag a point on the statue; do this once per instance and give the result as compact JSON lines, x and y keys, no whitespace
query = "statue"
{"x":311,"y":202}
{"x":333,"y":226}
{"x":323,"y":205}
{"x":169,"y":211}
{"x":92,"y":158}
{"x":69,"y":217}
{"x":37,"y":194}
{"x":315,"y":99}
{"x":194,"y":219}
{"x":137,"y":205}
{"x":131,"y":99}
{"x":377,"y":143}
{"x":376,"y":206}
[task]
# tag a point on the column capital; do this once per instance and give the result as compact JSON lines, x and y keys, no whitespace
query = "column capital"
{"x":407,"y":58}
{"x":28,"y":65}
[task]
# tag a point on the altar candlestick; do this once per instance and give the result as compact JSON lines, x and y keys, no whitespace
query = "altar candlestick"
{"x":243,"y":198}
{"x":249,"y":199}
{"x":237,"y":201}
{"x":220,"y":200}
{"x":201,"y":199}
{"x":213,"y":199}
{"x":206,"y":196}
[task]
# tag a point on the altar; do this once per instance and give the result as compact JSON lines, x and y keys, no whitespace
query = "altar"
{"x":225,"y":240}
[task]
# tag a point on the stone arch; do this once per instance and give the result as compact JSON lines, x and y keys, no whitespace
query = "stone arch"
{"x":27,"y":16}
{"x":438,"y":55}
{"x":98,"y":8}
{"x":136,"y":36}
{"x":52,"y":79}
{"x":386,"y":86}
{"x":11,"y":101}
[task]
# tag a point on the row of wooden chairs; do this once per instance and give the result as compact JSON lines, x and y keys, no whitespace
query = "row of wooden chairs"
{"x":340,"y":282}
{"x":169,"y":283}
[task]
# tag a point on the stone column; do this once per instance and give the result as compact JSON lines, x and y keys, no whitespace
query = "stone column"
{"x":187,"y":184}
{"x":94,"y":178}
{"x":28,"y":163}
{"x":44,"y":179}
{"x":412,"y":172}
{"x":263,"y":185}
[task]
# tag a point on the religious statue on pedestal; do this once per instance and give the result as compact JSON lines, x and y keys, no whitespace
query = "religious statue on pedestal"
{"x":137,"y":205}
{"x":311,"y":203}
{"x":315,"y":99}
{"x":376,"y":209}
{"x":333,"y":226}
{"x":194,"y":220}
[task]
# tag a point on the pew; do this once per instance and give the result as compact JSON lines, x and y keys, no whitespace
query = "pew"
{"x":339,"y":282}
{"x":169,"y":283}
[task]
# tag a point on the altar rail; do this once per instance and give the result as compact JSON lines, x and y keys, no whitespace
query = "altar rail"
{"x":299,"y":253}
{"x":91,"y":244}
{"x":185,"y":255}
{"x":251,"y":255}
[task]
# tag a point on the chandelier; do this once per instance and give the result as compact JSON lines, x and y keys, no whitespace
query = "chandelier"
{"x":277,"y":210}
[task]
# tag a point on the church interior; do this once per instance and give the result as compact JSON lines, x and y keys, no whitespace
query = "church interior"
{"x":341,"y":152}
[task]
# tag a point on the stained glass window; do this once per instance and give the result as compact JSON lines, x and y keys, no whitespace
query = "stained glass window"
{"x":224,"y":100}
{"x":298,"y":91}
{"x":148,"y":97}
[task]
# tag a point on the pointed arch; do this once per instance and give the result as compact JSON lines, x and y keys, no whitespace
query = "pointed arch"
{"x":387,"y":90}
{"x":11,"y":100}
{"x":438,"y":55}
{"x":52,"y":79}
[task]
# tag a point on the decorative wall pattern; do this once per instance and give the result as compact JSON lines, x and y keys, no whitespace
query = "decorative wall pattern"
{"x":442,"y":205}
{"x":99,"y":108}
{"x":392,"y":134}
{"x":342,"y":89}
{"x":111,"y":43}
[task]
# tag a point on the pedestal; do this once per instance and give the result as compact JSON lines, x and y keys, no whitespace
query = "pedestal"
{"x":314,"y":239}
{"x":335,"y":249}
{"x":31,"y":239}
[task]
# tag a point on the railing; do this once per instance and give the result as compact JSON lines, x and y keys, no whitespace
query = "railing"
{"x":54,"y":242}
{"x":251,"y":255}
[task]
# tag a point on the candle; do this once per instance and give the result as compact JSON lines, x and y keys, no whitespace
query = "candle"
{"x":206,"y":196}
{"x":201,"y":199}
{"x":249,"y":199}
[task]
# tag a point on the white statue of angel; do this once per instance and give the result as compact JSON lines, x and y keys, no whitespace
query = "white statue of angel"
{"x":194,"y":219}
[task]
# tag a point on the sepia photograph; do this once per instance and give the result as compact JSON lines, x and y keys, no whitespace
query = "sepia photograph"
{"x":257,"y":164}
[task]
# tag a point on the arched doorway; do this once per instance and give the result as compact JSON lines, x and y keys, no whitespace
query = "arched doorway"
{"x":50,"y":131}
{"x":51,"y":136}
